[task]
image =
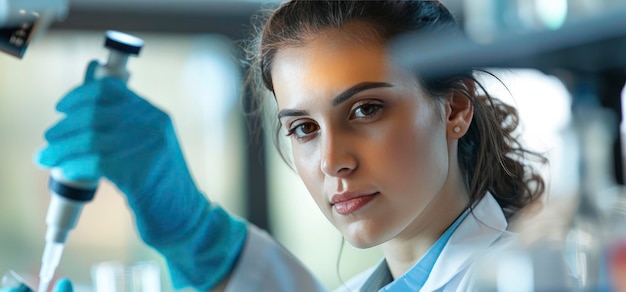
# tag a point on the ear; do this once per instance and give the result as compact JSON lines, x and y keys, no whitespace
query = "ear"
{"x":459,"y":111}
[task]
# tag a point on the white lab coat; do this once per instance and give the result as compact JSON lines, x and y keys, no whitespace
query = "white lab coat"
{"x":264,"y":265}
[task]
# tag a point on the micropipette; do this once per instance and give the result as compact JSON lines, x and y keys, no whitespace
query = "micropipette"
{"x":69,"y":196}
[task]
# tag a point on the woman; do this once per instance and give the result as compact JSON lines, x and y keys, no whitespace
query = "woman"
{"x":428,"y":170}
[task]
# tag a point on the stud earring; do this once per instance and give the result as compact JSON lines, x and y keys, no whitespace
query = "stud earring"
{"x":457,"y":129}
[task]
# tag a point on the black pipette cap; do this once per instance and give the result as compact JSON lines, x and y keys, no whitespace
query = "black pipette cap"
{"x":123,"y":42}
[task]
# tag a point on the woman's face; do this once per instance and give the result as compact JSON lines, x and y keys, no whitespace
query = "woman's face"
{"x":367,"y":141}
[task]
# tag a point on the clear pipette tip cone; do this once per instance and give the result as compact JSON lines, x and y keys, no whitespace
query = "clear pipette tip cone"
{"x":43,"y":286}
{"x":50,"y":260}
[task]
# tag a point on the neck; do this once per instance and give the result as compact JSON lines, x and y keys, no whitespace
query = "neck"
{"x":402,"y":252}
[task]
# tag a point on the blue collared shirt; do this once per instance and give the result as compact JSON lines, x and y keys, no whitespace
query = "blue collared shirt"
{"x":414,"y":278}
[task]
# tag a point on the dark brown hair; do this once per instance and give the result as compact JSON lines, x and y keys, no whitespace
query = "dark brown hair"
{"x":490,"y":155}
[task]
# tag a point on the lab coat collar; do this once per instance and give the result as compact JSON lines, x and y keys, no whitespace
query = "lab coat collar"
{"x":480,"y":229}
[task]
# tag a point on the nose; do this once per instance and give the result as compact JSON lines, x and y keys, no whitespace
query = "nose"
{"x":338,"y":157}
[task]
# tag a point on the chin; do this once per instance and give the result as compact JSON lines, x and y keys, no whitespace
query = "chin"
{"x":363,"y":238}
{"x":361,"y":244}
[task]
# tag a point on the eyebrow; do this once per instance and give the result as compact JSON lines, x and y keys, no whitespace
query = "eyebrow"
{"x":342,"y":97}
{"x":339,"y":99}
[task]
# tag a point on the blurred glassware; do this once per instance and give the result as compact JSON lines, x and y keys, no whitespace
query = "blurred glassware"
{"x":569,"y":248}
{"x":587,"y":233}
{"x":616,"y":239}
{"x":120,"y":277}
{"x":486,"y":20}
{"x":517,"y":267}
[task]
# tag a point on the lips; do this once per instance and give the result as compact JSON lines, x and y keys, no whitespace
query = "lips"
{"x":347,"y":203}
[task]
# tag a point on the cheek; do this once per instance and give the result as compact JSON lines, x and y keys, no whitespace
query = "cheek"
{"x":304,"y":159}
{"x":306,"y":162}
{"x":419,"y":157}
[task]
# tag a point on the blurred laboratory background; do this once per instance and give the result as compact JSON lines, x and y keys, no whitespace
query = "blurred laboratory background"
{"x":190,"y":67}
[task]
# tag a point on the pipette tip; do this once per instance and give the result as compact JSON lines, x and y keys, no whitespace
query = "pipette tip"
{"x":43,"y":286}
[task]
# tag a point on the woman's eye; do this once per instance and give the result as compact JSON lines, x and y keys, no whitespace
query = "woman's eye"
{"x":365,"y":111}
{"x":302,"y":130}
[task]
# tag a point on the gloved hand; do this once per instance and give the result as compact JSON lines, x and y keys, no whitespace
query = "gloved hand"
{"x":62,"y":285}
{"x":108,"y":131}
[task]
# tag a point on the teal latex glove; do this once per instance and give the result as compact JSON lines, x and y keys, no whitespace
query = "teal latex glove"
{"x":109,"y":131}
{"x":62,"y":285}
